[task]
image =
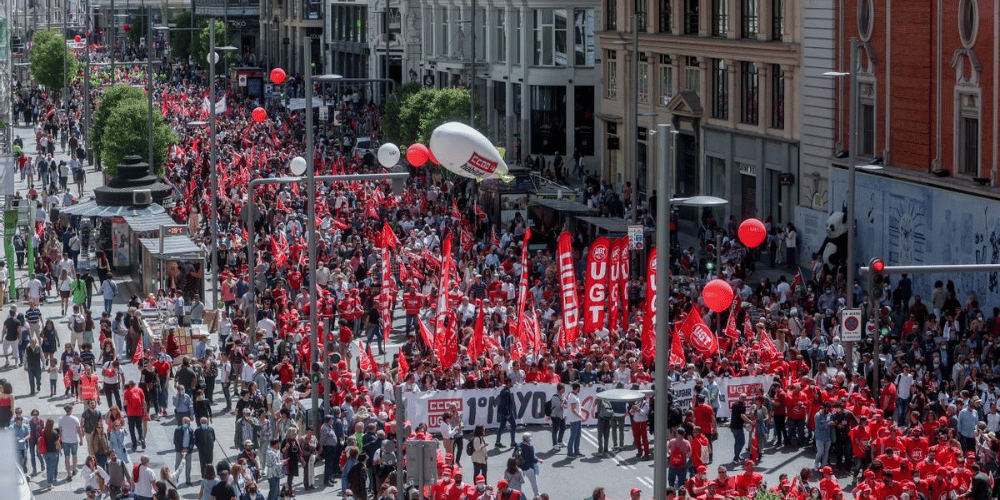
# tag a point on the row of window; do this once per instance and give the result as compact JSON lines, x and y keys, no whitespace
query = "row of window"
{"x":691,"y":21}
{"x":553,"y":44}
{"x":749,"y":86}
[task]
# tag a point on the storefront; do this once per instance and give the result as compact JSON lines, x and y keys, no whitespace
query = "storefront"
{"x":172,"y":262}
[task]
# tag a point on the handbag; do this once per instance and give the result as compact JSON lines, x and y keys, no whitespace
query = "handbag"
{"x":42,"y":446}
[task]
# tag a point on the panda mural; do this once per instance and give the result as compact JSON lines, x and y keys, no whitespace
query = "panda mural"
{"x":833,"y":250}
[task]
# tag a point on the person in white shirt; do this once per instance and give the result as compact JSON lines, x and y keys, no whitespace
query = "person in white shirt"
{"x":903,"y":383}
{"x":70,"y":433}
{"x":993,"y":418}
{"x":146,"y":485}
{"x":574,"y":418}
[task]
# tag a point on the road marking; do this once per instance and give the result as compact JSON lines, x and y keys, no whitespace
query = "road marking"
{"x":591,"y":436}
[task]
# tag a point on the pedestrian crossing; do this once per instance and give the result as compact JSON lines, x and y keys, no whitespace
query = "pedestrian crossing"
{"x":627,"y":462}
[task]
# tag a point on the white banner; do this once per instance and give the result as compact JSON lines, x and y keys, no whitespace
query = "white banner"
{"x":7,"y":174}
{"x":478,"y":406}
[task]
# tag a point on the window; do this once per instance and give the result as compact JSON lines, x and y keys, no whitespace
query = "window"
{"x":428,"y":31}
{"x":610,"y":15}
{"x":666,"y":79}
{"x":749,"y":17}
{"x":643,"y":79}
{"x":777,"y":97}
{"x":550,"y":38}
{"x":611,"y":74}
{"x":517,"y":36}
{"x":867,"y":141}
{"x":548,"y":119}
{"x":720,"y":90}
{"x":866,"y":14}
{"x":641,"y":13}
{"x":777,"y":19}
{"x":583,"y":36}
{"x":583,"y":137}
{"x":749,"y":83}
{"x":500,"y":45}
{"x":691,"y":17}
{"x":968,"y":22}
{"x":720,"y":17}
{"x":692,"y":75}
{"x":442,"y":49}
{"x":665,"y":16}
{"x":968,"y":161}
{"x":481,"y":41}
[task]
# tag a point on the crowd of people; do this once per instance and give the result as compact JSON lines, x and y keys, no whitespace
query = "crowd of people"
{"x":923,"y":422}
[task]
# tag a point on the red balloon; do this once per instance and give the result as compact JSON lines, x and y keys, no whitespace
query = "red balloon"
{"x":718,"y":295}
{"x":126,"y":27}
{"x":430,"y":156}
{"x":76,"y":39}
{"x":417,"y":154}
{"x":259,"y":115}
{"x":752,"y":233}
{"x":278,"y":76}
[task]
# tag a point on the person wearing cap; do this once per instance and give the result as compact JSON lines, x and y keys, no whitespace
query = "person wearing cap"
{"x":529,"y":461}
{"x":634,"y":493}
{"x":697,"y":485}
{"x":505,"y":492}
{"x":678,"y":455}
{"x":247,"y":429}
{"x":829,"y":485}
{"x":749,"y":481}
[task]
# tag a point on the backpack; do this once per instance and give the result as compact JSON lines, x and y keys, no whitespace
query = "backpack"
{"x":676,"y":458}
{"x":548,"y":408}
{"x":79,"y":323}
{"x":109,"y":371}
{"x":517,"y":455}
{"x":470,"y":448}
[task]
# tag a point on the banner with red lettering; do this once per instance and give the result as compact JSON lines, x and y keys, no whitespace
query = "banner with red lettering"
{"x":522,"y":293}
{"x":623,"y":280}
{"x":698,"y":334}
{"x":614,"y":286}
{"x":567,"y":289}
{"x":649,"y":322}
{"x":595,"y":287}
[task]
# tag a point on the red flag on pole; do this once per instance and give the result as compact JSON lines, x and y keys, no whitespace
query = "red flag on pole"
{"x":389,"y":238}
{"x":567,"y":287}
{"x":425,"y":335}
{"x":614,"y":285}
{"x":446,"y":339}
{"x":467,"y":239}
{"x":493,"y":237}
{"x":731,"y":330}
{"x":404,"y":367}
{"x":676,"y":350}
{"x":139,"y":353}
{"x":766,"y":344}
{"x":595,"y":287}
{"x":798,"y":281}
{"x":522,"y":294}
{"x":649,"y":322}
{"x":747,"y":328}
{"x":698,"y":334}
{"x":455,"y":213}
{"x":476,"y":342}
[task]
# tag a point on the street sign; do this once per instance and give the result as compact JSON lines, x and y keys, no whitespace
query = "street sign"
{"x":243,"y":80}
{"x":850,"y":320}
{"x":635,"y":237}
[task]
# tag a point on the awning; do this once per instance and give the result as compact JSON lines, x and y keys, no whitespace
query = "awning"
{"x":144,"y":224}
{"x":174,"y":248}
{"x":565,"y":206}
{"x":622,"y":395}
{"x":612,"y":225}
{"x":298,"y":103}
{"x":92,"y":209}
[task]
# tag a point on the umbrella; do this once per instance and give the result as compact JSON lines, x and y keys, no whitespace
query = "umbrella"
{"x":622,"y":395}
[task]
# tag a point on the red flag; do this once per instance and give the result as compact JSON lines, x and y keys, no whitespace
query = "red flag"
{"x":388,"y":294}
{"x":455,"y":214}
{"x":493,"y":237}
{"x":567,"y":287}
{"x":279,"y":248}
{"x":595,"y":288}
{"x":389,"y":238}
{"x":138,"y":353}
{"x":339,"y":224}
{"x":366,"y":361}
{"x":747,"y":328}
{"x":404,"y":367}
{"x":623,"y":274}
{"x":766,"y":344}
{"x":649,"y":321}
{"x":798,"y":281}
{"x":467,"y":239}
{"x":754,"y":455}
{"x":425,"y":335}
{"x":522,"y":293}
{"x":731,"y":330}
{"x":446,"y":339}
{"x":614,"y":286}
{"x":480,"y":213}
{"x":476,"y":342}
{"x":676,"y":350}
{"x":698,"y":334}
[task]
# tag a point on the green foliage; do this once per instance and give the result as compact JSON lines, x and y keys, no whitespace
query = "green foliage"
{"x":422,"y":112}
{"x":50,"y":57}
{"x":139,"y":25}
{"x":393,"y":108}
{"x":222,"y":38}
{"x":113,"y":98}
{"x":125,"y":133}
{"x":182,"y":40}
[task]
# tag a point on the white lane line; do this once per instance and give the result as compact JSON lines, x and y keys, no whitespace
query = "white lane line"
{"x":592,"y":439}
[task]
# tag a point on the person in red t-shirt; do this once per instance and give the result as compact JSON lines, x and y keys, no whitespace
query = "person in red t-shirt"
{"x":701,"y":448}
{"x":748,"y":482}
{"x":697,"y":485}
{"x":704,"y":416}
{"x":412,"y":300}
{"x":135,"y":401}
{"x":829,"y":485}
{"x":860,"y":444}
{"x":725,"y":485}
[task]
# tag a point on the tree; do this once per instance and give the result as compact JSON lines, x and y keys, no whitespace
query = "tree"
{"x":128,"y":124}
{"x":221,"y":40}
{"x":139,"y":26}
{"x":113,"y":98}
{"x":182,"y":39}
{"x":52,"y":63}
{"x":394,"y":106}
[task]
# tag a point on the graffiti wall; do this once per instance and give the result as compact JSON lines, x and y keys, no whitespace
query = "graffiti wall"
{"x":911,"y":224}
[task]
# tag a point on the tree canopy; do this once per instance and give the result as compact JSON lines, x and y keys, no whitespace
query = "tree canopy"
{"x":128,"y":123}
{"x":52,"y":63}
{"x":182,"y":39}
{"x":200,"y":50}
{"x":420,"y":112}
{"x":138,"y":25}
{"x":113,"y":98}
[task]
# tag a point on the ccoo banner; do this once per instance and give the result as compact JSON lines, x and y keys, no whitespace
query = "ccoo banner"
{"x":478,"y":406}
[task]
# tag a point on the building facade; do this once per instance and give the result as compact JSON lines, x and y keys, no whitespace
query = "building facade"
{"x":285,"y":25}
{"x":537,"y":69}
{"x":725,"y":73}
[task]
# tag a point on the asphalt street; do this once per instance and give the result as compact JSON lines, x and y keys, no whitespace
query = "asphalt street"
{"x":560,"y":476}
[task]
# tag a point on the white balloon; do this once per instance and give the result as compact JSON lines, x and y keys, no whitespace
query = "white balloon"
{"x":388,"y":155}
{"x":466,"y":152}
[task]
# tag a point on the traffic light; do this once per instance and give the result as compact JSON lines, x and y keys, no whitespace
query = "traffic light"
{"x":875,"y":278}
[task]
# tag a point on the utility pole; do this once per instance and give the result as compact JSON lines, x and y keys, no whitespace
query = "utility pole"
{"x":472,"y":70}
